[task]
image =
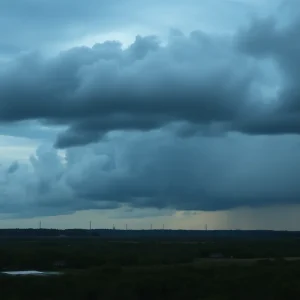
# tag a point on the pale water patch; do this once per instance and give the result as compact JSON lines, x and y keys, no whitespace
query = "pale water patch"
{"x":31,"y":272}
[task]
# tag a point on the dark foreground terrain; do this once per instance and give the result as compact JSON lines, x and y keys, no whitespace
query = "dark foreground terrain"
{"x":196,"y":268}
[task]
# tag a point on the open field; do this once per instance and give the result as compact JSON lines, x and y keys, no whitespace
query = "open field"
{"x":240,"y":261}
{"x":93,"y":268}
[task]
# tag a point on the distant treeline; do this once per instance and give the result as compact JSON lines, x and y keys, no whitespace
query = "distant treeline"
{"x":142,"y":234}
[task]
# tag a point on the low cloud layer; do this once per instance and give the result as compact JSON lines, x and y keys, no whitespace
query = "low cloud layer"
{"x":158,"y":171}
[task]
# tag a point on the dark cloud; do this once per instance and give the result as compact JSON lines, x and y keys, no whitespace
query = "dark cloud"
{"x":156,"y":171}
{"x":95,"y":90}
{"x":200,"y":80}
{"x":13,"y":167}
{"x":278,"y":41}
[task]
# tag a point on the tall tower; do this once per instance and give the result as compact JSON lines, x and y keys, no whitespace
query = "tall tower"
{"x":90,"y":225}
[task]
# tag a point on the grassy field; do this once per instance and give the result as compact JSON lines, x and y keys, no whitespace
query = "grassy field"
{"x":97,"y":269}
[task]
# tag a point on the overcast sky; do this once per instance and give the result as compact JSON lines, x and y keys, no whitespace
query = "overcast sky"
{"x":181,"y":113}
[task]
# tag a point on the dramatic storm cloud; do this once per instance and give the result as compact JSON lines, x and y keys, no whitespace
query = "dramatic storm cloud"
{"x":192,"y":79}
{"x":269,"y":39}
{"x":156,"y":171}
{"x":195,"y":120}
{"x":196,"y":80}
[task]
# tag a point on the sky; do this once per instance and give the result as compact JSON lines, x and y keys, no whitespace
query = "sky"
{"x":170,"y":113}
